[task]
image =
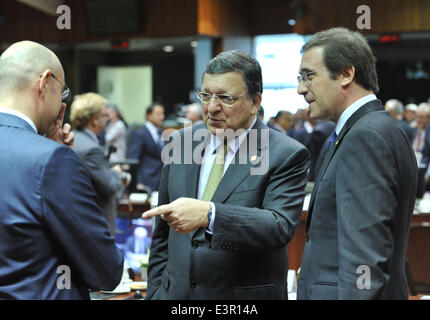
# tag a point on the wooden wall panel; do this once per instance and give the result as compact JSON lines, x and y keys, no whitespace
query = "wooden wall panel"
{"x":219,"y":18}
{"x":25,"y":23}
{"x":223,"y":17}
{"x":386,"y":16}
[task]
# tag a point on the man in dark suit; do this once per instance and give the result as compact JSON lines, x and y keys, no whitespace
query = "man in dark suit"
{"x":54,"y":242}
{"x":89,"y":115}
{"x":226,"y":215}
{"x":362,"y":203}
{"x":146,"y":145}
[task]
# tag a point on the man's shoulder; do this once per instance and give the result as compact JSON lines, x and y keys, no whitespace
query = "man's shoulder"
{"x":84,"y":143}
{"x":379,"y":121}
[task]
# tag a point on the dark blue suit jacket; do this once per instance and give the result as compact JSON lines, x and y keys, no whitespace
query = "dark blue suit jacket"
{"x":360,"y":212}
{"x":49,"y":219}
{"x":144,"y":148}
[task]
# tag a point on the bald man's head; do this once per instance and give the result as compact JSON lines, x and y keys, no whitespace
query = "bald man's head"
{"x":31,"y":81}
{"x":23,"y":62}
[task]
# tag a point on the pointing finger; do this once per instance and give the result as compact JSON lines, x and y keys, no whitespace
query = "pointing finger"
{"x":164,"y":209}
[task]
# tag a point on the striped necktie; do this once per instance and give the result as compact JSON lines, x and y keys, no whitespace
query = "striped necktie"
{"x":216,"y":173}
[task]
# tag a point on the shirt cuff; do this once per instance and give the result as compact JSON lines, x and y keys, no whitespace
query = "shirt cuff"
{"x":210,"y":228}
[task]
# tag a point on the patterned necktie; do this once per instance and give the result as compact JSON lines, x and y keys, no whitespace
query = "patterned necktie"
{"x":332,"y":139}
{"x":216,"y":173}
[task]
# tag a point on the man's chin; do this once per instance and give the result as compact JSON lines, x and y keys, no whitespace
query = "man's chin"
{"x":215,"y":130}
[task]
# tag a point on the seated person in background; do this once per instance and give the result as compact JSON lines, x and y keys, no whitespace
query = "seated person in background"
{"x":146,"y":145}
{"x":116,"y":134}
{"x":395,"y":109}
{"x":54,"y":242}
{"x":88,"y":115}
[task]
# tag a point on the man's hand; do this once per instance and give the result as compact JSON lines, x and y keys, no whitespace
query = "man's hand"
{"x":183,"y":215}
{"x":56,"y":132}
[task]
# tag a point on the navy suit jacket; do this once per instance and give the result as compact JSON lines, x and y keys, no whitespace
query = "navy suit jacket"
{"x":144,"y":148}
{"x":49,"y":221}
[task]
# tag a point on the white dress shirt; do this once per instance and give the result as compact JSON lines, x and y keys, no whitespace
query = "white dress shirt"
{"x":348,"y":112}
{"x":209,"y":158}
{"x":153,"y":130}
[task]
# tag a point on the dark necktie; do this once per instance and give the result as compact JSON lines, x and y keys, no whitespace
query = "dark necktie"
{"x":332,"y":139}
{"x":160,"y":140}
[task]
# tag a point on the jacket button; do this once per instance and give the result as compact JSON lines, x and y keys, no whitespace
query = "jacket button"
{"x":195,"y":244}
{"x":193,"y":284}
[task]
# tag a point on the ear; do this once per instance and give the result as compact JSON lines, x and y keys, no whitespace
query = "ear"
{"x":346,"y":76}
{"x":256,"y":102}
{"x":43,"y":83}
{"x":93,"y":120}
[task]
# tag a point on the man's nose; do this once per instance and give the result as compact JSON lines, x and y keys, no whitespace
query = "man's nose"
{"x":302,"y":88}
{"x":214,"y":105}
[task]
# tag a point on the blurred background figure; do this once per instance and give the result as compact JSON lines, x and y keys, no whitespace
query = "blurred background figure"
{"x":395,"y":109}
{"x":422,"y":120}
{"x":89,"y":116}
{"x":116,"y":134}
{"x":314,"y":135}
{"x":283,"y":121}
{"x":410,"y":114}
{"x":145,"y":146}
{"x":261,"y":113}
{"x":194,"y":113}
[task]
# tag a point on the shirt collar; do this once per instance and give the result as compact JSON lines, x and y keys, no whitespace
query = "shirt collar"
{"x":348,"y":112}
{"x":19,"y":115}
{"x":151,"y":126}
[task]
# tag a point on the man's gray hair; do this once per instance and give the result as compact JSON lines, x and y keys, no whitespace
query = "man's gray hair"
{"x":238,"y":61}
{"x":394,"y":105}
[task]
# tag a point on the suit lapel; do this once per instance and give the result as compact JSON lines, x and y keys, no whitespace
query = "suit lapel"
{"x":235,"y":173}
{"x":371,"y":106}
{"x":238,"y":171}
{"x":156,"y":146}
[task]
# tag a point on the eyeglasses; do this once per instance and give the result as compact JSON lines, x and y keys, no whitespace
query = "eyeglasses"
{"x":304,"y":76}
{"x":66,"y":91}
{"x":225,"y":99}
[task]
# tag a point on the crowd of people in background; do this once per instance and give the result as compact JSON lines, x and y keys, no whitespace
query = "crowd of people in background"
{"x":145,"y":143}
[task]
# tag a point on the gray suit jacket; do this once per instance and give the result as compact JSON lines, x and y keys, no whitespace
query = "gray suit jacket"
{"x":256,"y":216}
{"x":106,"y":182}
{"x":360,"y":211}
